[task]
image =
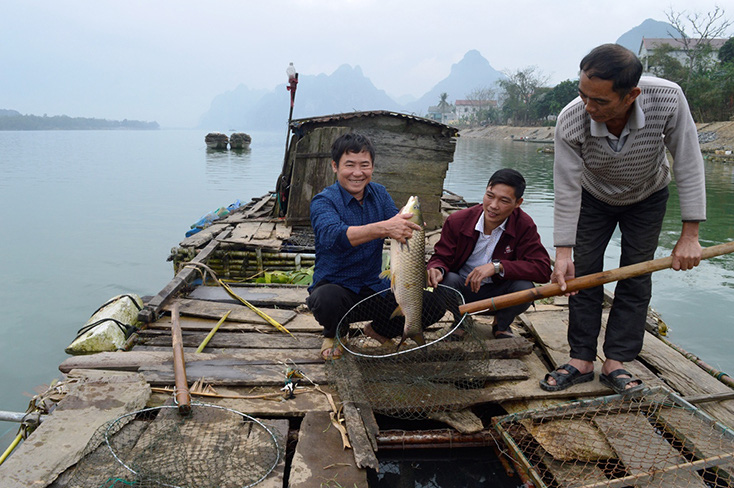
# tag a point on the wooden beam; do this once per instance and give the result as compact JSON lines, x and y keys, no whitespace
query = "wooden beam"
{"x":152,"y":309}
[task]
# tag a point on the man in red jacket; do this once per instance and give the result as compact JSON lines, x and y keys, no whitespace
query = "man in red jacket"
{"x":492,"y":249}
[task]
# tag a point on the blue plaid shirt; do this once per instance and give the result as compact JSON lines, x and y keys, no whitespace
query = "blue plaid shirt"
{"x":337,"y":261}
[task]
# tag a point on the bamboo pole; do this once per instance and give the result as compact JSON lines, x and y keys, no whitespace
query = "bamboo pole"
{"x":588,"y":281}
{"x":213,"y":331}
{"x":183,"y":398}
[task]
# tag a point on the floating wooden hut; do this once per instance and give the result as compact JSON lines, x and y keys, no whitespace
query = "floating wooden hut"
{"x":216,"y":140}
{"x":239,"y":140}
{"x":674,"y":434}
{"x":404,"y":145}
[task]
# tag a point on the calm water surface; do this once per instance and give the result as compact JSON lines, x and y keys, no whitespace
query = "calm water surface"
{"x":91,"y":214}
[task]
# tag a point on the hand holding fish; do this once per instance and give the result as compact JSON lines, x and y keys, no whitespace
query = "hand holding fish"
{"x":400,"y":227}
{"x":435,"y":276}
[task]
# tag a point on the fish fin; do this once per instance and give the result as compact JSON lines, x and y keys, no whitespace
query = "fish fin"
{"x":386,"y":274}
{"x":402,"y":339}
{"x":419,"y":339}
{"x":396,"y":312}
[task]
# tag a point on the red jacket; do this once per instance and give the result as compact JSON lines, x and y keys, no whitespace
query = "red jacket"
{"x":519,"y":249}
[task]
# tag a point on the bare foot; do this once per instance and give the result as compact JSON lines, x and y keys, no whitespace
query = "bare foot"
{"x":370,"y":332}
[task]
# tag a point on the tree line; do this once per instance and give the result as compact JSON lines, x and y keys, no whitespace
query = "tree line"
{"x":11,"y":120}
{"x":706,"y":77}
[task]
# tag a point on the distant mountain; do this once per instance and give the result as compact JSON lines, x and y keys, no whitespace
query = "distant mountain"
{"x":649,"y":28}
{"x":8,"y":113}
{"x":345,"y":90}
{"x":471,"y":73}
{"x":231,"y":110}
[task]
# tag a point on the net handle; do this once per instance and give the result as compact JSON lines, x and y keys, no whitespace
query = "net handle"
{"x":183,"y":398}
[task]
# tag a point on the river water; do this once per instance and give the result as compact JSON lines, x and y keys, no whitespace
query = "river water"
{"x":88,"y":215}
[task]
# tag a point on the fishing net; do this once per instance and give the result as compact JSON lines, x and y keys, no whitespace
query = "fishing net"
{"x":415,"y":381}
{"x":650,"y":438}
{"x":213,"y":446}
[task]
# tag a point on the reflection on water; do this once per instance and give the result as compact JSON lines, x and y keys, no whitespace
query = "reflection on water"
{"x":441,"y":468}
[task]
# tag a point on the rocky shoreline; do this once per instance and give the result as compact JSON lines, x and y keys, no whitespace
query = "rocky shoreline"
{"x":716,"y":138}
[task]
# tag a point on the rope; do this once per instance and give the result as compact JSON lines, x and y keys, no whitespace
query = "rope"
{"x":231,"y":293}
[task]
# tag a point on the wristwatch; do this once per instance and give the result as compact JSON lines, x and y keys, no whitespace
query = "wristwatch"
{"x":497,"y":268}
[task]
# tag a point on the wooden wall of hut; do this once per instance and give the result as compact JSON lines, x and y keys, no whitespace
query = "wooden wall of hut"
{"x":412,"y":156}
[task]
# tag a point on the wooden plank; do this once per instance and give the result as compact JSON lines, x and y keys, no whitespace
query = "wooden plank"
{"x":686,"y":377}
{"x":320,"y":460}
{"x":203,"y":236}
{"x":230,"y":372}
{"x":264,"y":231}
{"x":571,"y":475}
{"x":701,"y":438}
{"x":313,"y":174}
{"x":242,"y":234}
{"x":364,"y":454}
{"x":93,"y":398}
{"x":302,"y":322}
{"x":153,"y":307}
{"x":470,"y":370}
{"x":279,"y":427}
{"x":240,"y":313}
{"x":549,"y":327}
{"x":137,"y":358}
{"x":642,"y":450}
{"x":242,"y":340}
{"x":258,"y":295}
{"x":282,"y":231}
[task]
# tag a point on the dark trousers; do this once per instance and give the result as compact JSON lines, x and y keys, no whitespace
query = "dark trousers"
{"x":504,"y":316}
{"x":640,"y":225}
{"x":329,"y":303}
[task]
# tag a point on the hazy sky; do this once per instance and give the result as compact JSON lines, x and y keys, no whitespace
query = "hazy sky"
{"x":166,"y":60}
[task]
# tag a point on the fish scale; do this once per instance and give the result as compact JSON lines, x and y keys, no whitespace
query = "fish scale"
{"x":408,"y":275}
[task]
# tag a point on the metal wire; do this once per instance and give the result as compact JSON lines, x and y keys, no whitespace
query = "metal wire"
{"x":415,"y":381}
{"x":651,"y":438}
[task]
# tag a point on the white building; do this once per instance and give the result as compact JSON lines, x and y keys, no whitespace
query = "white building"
{"x":648,"y":46}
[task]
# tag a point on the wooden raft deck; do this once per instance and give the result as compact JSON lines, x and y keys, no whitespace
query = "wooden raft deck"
{"x":245,"y":363}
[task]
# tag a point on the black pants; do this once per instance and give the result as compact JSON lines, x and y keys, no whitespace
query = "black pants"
{"x":640,"y":225}
{"x":329,"y":303}
{"x":504,"y":316}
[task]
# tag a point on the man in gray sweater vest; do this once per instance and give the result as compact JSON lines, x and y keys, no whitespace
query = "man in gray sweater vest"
{"x":611,"y":169}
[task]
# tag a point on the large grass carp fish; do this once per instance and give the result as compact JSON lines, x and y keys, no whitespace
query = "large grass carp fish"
{"x":408,"y":275}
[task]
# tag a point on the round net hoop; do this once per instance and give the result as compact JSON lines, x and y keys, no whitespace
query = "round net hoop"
{"x":353,"y":339}
{"x":214,"y":446}
{"x":414,"y":380}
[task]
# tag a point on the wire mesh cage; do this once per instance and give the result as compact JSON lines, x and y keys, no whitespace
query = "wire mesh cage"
{"x":650,"y":438}
{"x":410,"y":380}
{"x":213,"y":446}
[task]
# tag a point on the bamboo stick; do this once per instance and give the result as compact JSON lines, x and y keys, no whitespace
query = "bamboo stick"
{"x":213,"y":331}
{"x":183,"y":398}
{"x":588,"y":281}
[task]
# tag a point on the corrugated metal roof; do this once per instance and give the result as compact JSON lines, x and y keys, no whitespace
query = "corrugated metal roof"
{"x":370,"y":113}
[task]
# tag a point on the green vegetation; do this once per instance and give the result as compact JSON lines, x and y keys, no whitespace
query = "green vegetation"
{"x":706,"y":79}
{"x":12,"y":120}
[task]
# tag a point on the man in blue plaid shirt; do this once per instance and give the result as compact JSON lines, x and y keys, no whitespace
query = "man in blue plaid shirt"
{"x":351,"y":220}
